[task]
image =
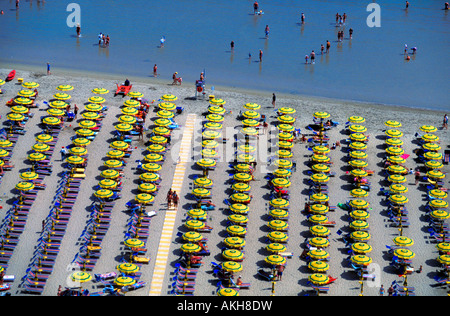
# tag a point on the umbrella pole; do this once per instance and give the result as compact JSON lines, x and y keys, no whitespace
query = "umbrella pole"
{"x":273,"y":287}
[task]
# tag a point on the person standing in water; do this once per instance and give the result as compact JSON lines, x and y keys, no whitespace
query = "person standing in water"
{"x":260,"y":55}
{"x":255,"y":7}
{"x":232,"y":46}
{"x":78,"y":30}
{"x":303,"y":18}
{"x":350,"y":33}
{"x":155,"y":69}
{"x":267,"y":30}
{"x":328,"y":46}
{"x":313,"y":57}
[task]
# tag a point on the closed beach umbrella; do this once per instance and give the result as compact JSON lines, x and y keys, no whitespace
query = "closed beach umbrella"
{"x":275,"y":260}
{"x":234,"y":242}
{"x":361,"y":260}
{"x":318,"y":266}
{"x":392,"y":123}
{"x":277,"y":236}
{"x":404,"y":254}
{"x":232,"y":254}
{"x":360,"y":247}
{"x":100,"y":91}
{"x":403,"y":241}
{"x":64,"y":87}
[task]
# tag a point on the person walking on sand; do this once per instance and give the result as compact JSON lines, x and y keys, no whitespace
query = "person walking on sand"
{"x":381,"y":290}
{"x":169,"y":198}
{"x":445,"y":122}
{"x":274,"y":99}
{"x":48,"y":69}
{"x":280,"y":269}
{"x":175,"y":199}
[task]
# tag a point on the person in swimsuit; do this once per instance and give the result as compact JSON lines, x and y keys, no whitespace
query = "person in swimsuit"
{"x":328,"y":46}
{"x":313,"y":57}
{"x":255,"y":7}
{"x":322,"y":48}
{"x":155,"y":69}
{"x":260,"y":55}
{"x":267,"y":31}
{"x":303,"y":18}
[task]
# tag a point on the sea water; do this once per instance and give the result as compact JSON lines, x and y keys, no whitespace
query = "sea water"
{"x":370,"y":67}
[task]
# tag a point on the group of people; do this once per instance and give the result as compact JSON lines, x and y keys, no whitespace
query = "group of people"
{"x":172,"y":199}
{"x":103,"y":40}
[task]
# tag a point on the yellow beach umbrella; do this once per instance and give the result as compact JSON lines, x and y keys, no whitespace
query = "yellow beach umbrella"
{"x":360,"y":235}
{"x":403,"y":241}
{"x":362,"y":260}
{"x":251,"y":114}
{"x":217,"y":101}
{"x":232,"y":254}
{"x":239,"y":208}
{"x":277,"y":236}
{"x":24,"y":186}
{"x":231,"y":266}
{"x":356,"y":119}
{"x":132,"y":103}
{"x":151,"y":167}
{"x":252,"y":106}
{"x":236,"y":230}
{"x":134,"y":243}
{"x":321,"y":115}
{"x":36,"y":157}
{"x":97,"y":100}
{"x":355,"y":128}
{"x":90,"y":115}
{"x":165,"y":114}
{"x":93,"y":107}
{"x":318,"y":266}
{"x":393,"y":142}
{"x":107,"y":184}
{"x":215,"y":118}
{"x":122,"y":127}
{"x":16,"y":117}
{"x":435,"y":174}
{"x":135,"y":94}
{"x":276,"y":248}
{"x":433,"y":164}
{"x":110,"y":174}
{"x":428,"y":128}
{"x":81,"y":277}
{"x":286,"y":111}
{"x":234,"y":242}
{"x":144,"y":198}
{"x":44,"y":138}
{"x":113,"y":163}
{"x":149,"y":177}
{"x":278,"y":225}
{"x":19,"y":109}
{"x":128,"y":268}
{"x":55,"y":112}
{"x":64,"y":87}
{"x":23,"y":101}
{"x":319,"y":209}
{"x":359,"y":225}
{"x":61,"y":96}
{"x":360,"y":247}
{"x":358,"y":163}
{"x":319,"y":279}
{"x":398,"y":188}
{"x":58,"y":104}
{"x":227,"y":292}
{"x":168,"y":106}
{"x":216,"y":110}
{"x":392,"y":123}
{"x":319,"y":242}
{"x":318,"y":254}
{"x":192,"y":236}
{"x":319,"y":230}
{"x":359,"y":204}
{"x":430,"y":138}
{"x":275,"y":260}
{"x":100,"y":91}
{"x":286,"y":119}
{"x":129,"y":111}
{"x":431,"y":146}
{"x":29,"y":84}
{"x":397,"y":169}
{"x":40,"y":147}
{"x":26,"y":93}
{"x":396,"y":178}
{"x":87,"y":124}
{"x":438,"y":194}
{"x":404,"y":253}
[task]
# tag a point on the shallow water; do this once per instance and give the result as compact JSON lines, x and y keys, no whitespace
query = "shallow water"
{"x":370,"y":67}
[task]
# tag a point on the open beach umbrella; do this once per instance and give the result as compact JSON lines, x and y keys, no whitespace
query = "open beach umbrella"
{"x":240,"y":198}
{"x":58,"y":104}
{"x":115,"y":154}
{"x":359,"y":225}
{"x":206,"y":163}
{"x":281,"y":182}
{"x":360,"y":247}
{"x":217,"y":101}
{"x":356,"y":154}
{"x":231,"y":266}
{"x":4,"y":143}
{"x":394,"y":151}
{"x":236,"y":230}
{"x":153,"y":157}
{"x":319,"y":197}
{"x":319,"y":230}
{"x":151,"y":167}
{"x":359,"y":215}
{"x":250,"y":122}
{"x":122,"y":127}
{"x":190,"y":248}
{"x":239,"y":208}
{"x":319,"y":242}
{"x":403,"y":241}
{"x":435,"y":174}
{"x":360,"y":235}
{"x":241,"y":187}
{"x":393,"y":133}
{"x":396,"y":178}
{"x":168,"y":106}
{"x":275,"y":260}
{"x":210,"y":134}
{"x":320,"y":158}
{"x":275,"y":248}
{"x":165,"y":114}
{"x":249,"y":131}
{"x":234,"y":242}
{"x":90,"y":115}
{"x":156,"y":148}
{"x":361,"y":260}
{"x":285,"y":136}
{"x":277,"y":236}
{"x":40,"y":147}
{"x":2,"y":82}
{"x":404,"y":254}
{"x":286,"y":111}
{"x":134,"y":243}
{"x":97,"y":100}
{"x":196,"y":213}
{"x":286,"y":119}
{"x":320,"y":149}
{"x":92,"y":107}
{"x":438,"y":194}
{"x":444,"y":259}
{"x":24,"y":186}
{"x":393,"y":142}
{"x":359,"y":204}
{"x":398,"y":188}
{"x":319,"y":279}
{"x":64,"y":87}
{"x":100,"y":91}
{"x":51,"y":120}
{"x":127,"y":119}
{"x":397,"y":169}
{"x":396,"y":159}
{"x":129,"y":111}
{"x":443,"y":246}
{"x":431,"y":146}
{"x":285,"y":144}
{"x":215,"y":118}
{"x":128,"y":268}
{"x":147,"y":187}
{"x":160,"y":131}
{"x":124,"y":281}
{"x":428,"y":128}
{"x":192,"y":236}
{"x":252,"y":106}
{"x":120,"y":145}
{"x":107,"y":184}
{"x":358,"y":146}
{"x":210,"y":144}
{"x":438,"y":203}
{"x":318,"y":254}
{"x":194,"y":224}
{"x":392,"y":123}
{"x":212,"y":125}
{"x":19,"y":109}
{"x":398,"y":199}
{"x":246,"y":148}
{"x":356,"y":119}
{"x":233,"y":255}
{"x":135,"y":94}
{"x":84,"y":132}
{"x":227,"y":292}
{"x":216,"y":110}
{"x":78,"y":151}
{"x":81,"y":277}
{"x":318,"y":219}
{"x":358,"y":137}
{"x":242,"y":168}
{"x":203,"y":182}
{"x":3,"y":153}
{"x":360,"y":173}
{"x":251,"y":114}
{"x":149,"y":177}
{"x":55,"y":112}
{"x":36,"y":157}
{"x":359,"y":193}
{"x":110,"y":174}
{"x":431,"y":155}
{"x":321,"y":115}
{"x":319,"y":178}
{"x":29,"y":84}
{"x":318,"y":266}
{"x":430,"y":138}
{"x":434,"y":164}
{"x":201,"y":192}
{"x":245,"y":158}
{"x":144,"y":198}
{"x":61,"y":96}
{"x":103,"y":193}
{"x":319,"y":209}
{"x":278,"y":225}
{"x":44,"y":138}
{"x":279,"y":203}
{"x":26,"y":93}
{"x":16,"y":117}
{"x":358,"y":163}
{"x":355,"y":128}
{"x":282,"y":173}
{"x":158,"y":139}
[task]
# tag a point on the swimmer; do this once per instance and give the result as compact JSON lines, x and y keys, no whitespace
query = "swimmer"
{"x":1,"y":12}
{"x":232,"y":46}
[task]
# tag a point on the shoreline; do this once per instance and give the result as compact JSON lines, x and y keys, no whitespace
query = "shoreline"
{"x":64,"y":72}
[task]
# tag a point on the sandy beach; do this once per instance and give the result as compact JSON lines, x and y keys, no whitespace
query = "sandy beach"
{"x":295,"y":277}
